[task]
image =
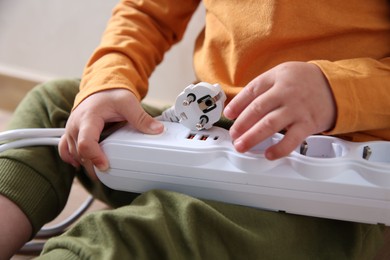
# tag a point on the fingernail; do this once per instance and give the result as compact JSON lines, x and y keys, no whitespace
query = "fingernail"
{"x":233,"y":135}
{"x":227,"y":111}
{"x":239,"y":145}
{"x":102,"y":167}
{"x":269,"y":155}
{"x":156,"y":126}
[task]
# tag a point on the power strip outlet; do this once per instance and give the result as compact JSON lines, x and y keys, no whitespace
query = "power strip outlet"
{"x":326,"y":177}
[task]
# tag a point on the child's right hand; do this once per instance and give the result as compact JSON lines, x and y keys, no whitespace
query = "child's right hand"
{"x":79,"y":145}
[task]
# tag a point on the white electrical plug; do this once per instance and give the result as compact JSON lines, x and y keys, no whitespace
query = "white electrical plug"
{"x":198,"y":107}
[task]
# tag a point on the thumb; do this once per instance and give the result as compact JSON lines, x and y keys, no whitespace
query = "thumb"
{"x":142,"y":121}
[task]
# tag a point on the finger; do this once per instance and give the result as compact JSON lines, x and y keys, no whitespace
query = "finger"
{"x":88,"y":144}
{"x":142,"y":121}
{"x":249,"y":93}
{"x":73,"y":149}
{"x":69,"y":138}
{"x":63,"y":150}
{"x":88,"y":166}
{"x":254,"y":112}
{"x":291,"y":140}
{"x":263,"y":129}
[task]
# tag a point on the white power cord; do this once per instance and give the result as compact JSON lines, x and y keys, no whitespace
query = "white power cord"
{"x":30,"y":142}
{"x":30,"y":137}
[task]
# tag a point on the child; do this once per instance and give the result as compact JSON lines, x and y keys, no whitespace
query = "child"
{"x":303,"y":67}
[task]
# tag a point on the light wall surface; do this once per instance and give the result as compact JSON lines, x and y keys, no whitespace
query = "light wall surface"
{"x":46,"y":39}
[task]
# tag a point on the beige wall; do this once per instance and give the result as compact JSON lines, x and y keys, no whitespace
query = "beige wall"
{"x":12,"y":91}
{"x":46,"y":39}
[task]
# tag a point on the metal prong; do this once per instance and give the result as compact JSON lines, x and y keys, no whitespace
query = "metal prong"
{"x":199,"y":126}
{"x":189,"y":100}
{"x":304,"y":147}
{"x":367,"y":152}
{"x":203,"y":120}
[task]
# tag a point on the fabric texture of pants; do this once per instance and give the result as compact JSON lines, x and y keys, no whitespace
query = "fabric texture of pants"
{"x":157,"y":224}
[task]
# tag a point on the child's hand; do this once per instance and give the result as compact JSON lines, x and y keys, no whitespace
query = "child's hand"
{"x":293,"y":96}
{"x":80,"y":145}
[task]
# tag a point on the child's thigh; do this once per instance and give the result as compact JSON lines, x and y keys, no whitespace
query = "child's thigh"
{"x":168,"y":225}
{"x":35,"y":178}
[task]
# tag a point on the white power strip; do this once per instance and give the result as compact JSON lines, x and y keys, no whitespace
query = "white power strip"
{"x":326,"y":177}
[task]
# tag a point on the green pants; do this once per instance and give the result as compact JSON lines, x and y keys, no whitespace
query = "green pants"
{"x":158,"y":224}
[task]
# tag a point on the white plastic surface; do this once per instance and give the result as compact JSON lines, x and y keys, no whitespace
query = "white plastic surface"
{"x":197,"y":107}
{"x":332,"y":180}
{"x":204,"y":100}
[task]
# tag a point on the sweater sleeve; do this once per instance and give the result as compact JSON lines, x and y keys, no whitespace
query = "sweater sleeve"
{"x":133,"y":44}
{"x":361,"y":88}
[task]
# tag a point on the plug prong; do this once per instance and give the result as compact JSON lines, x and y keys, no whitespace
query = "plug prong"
{"x":203,"y":120}
{"x":199,"y":126}
{"x":190,"y":98}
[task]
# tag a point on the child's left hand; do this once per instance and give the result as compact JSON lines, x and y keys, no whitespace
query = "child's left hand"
{"x":293,"y":96}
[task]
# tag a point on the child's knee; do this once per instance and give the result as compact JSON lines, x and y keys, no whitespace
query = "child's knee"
{"x":47,"y":105}
{"x":57,"y":87}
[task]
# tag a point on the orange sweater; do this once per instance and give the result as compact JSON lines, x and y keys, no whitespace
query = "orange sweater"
{"x":348,"y":40}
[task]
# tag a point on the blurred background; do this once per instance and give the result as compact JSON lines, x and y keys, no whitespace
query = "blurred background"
{"x":46,"y":39}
